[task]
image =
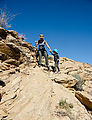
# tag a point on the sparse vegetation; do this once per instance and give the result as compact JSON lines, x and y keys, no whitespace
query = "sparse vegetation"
{"x":64,"y":104}
{"x":5,"y":18}
{"x":80,"y":82}
{"x":64,"y":109}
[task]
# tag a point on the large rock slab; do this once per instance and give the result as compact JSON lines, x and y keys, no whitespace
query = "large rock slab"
{"x":66,"y":80}
{"x":39,"y":99}
{"x":84,"y":98}
{"x":61,"y":99}
{"x":3,"y":33}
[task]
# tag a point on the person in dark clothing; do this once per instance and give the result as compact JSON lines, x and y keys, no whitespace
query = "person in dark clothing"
{"x":56,"y":59}
{"x":42,"y":51}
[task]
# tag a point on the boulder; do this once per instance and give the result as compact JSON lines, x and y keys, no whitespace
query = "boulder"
{"x":13,"y":33}
{"x":10,"y":38}
{"x":10,"y":50}
{"x":3,"y":33}
{"x":66,"y":80}
{"x":84,"y":98}
{"x":12,"y":62}
{"x":64,"y":104}
{"x":15,"y":51}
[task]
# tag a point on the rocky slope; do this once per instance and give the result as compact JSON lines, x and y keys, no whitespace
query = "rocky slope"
{"x":28,"y":93}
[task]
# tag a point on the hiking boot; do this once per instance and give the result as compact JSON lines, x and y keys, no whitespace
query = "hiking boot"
{"x":48,"y":67}
{"x":39,"y":66}
{"x":55,"y":72}
{"x":59,"y":72}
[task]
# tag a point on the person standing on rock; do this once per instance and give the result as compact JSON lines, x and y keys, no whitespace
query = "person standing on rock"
{"x":42,"y":51}
{"x":56,"y":60}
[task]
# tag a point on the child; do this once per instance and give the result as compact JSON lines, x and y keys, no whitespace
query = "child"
{"x":56,"y":59}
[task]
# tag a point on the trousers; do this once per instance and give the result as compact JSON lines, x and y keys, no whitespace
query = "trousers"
{"x":43,"y":53}
{"x":57,"y":66}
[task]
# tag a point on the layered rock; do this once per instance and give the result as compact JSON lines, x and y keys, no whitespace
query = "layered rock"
{"x":85,"y":99}
{"x":29,"y":96}
{"x":13,"y":49}
{"x":36,"y":93}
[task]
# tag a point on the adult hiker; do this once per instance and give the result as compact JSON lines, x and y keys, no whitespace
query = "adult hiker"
{"x":42,"y":51}
{"x":56,"y":60}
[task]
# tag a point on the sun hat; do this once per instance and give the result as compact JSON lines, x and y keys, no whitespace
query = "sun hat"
{"x":55,"y":50}
{"x":41,"y":36}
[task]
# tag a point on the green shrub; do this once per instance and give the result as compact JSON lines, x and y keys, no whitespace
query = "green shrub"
{"x":65,"y":105}
{"x":64,"y":109}
{"x":80,"y":82}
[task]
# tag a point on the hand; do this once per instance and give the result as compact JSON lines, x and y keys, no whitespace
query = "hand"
{"x":50,"y":50}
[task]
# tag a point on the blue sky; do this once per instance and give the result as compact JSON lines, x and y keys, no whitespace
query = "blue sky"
{"x":66,"y":24}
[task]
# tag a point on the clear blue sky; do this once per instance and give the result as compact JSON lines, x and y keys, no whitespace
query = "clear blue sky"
{"x":66,"y":24}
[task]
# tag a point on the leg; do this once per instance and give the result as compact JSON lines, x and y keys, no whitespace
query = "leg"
{"x":55,"y":67}
{"x":46,"y":58}
{"x":40,"y":57}
{"x":58,"y":66}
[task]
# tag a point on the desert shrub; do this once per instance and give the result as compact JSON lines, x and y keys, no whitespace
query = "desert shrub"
{"x":78,"y":85}
{"x":5,"y":18}
{"x":64,"y":109}
{"x":65,"y":105}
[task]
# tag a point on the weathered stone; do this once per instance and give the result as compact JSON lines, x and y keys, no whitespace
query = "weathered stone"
{"x":10,"y":38}
{"x":3,"y":56}
{"x":84,"y":98}
{"x":65,"y":80}
{"x":30,"y":93}
{"x":3,"y":33}
{"x":12,"y":62}
{"x":13,"y":33}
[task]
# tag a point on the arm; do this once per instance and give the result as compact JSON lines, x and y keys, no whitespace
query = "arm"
{"x":51,"y":52}
{"x":48,"y":47}
{"x":58,"y":58}
{"x":36,"y":43}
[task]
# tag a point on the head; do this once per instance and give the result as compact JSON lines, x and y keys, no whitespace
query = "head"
{"x":41,"y":36}
{"x":55,"y":51}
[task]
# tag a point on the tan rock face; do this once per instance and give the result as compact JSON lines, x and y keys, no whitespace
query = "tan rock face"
{"x":65,"y":80}
{"x":37,"y":97}
{"x":13,"y":49}
{"x":38,"y":94}
{"x":85,"y":99}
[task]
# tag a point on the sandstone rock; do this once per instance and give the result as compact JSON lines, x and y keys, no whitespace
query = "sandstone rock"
{"x":5,"y":66}
{"x":38,"y":94}
{"x":13,"y":33}
{"x":77,"y":112}
{"x":85,"y":99}
{"x":39,"y":98}
{"x":87,"y":87}
{"x":10,"y":38}
{"x":3,"y":33}
{"x":70,"y":65}
{"x":5,"y":49}
{"x":12,"y":62}
{"x":21,"y":37}
{"x":9,"y":96}
{"x":65,"y":80}
{"x":28,"y":45}
{"x":3,"y":56}
{"x":0,"y":97}
{"x":3,"y":113}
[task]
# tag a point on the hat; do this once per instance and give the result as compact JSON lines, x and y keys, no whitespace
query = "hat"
{"x":41,"y":36}
{"x":55,"y":50}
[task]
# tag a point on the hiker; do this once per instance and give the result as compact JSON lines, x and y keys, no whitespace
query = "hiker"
{"x":56,"y":60}
{"x":42,"y":51}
